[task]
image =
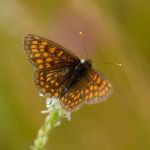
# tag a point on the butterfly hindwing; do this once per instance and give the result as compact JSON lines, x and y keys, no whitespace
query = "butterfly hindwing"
{"x":50,"y":83}
{"x":97,"y":88}
{"x":93,"y":88}
{"x":73,"y":99}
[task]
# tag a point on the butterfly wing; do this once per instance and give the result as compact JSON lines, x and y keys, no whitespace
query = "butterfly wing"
{"x":73,"y":99}
{"x":93,"y":88}
{"x":50,"y":83}
{"x":97,"y":89}
{"x":45,"y":54}
{"x":52,"y":63}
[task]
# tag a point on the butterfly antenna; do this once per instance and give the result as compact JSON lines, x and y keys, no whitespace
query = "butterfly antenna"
{"x":111,"y":63}
{"x":118,"y":64}
{"x":82,"y":37}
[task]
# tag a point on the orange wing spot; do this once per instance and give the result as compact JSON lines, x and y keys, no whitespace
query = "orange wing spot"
{"x":44,"y":43}
{"x":39,"y":61}
{"x":65,"y":100}
{"x":41,"y":46}
{"x":48,"y":59}
{"x":34,"y":50}
{"x":104,"y":82}
{"x":98,"y":81}
{"x":77,"y":96}
{"x":86,"y":97}
{"x":91,"y":87}
{"x":45,"y":54}
{"x":95,"y":76}
{"x":60,"y":53}
{"x":109,"y":85}
{"x":41,"y":83}
{"x":91,"y":95}
{"x":56,"y":61}
{"x":36,"y":37}
{"x":47,"y":65}
{"x":52,"y":81}
{"x":96,"y":93}
{"x":43,"y":90}
{"x":62,"y":98}
{"x":103,"y":92}
{"x":101,"y":87}
{"x":86,"y":91}
{"x":41,"y":78}
{"x":95,"y":87}
{"x":41,"y":66}
{"x":37,"y":54}
{"x":69,"y":102}
{"x":72,"y":104}
{"x":41,"y":73}
{"x":56,"y":94}
{"x":52,"y":90}
{"x":56,"y":83}
{"x":48,"y":79}
{"x":70,"y":94}
{"x":42,"y":50}
{"x":48,"y":75}
{"x":55,"y":75}
{"x":33,"y":46}
{"x":52,"y":50}
{"x":76,"y":102}
{"x":100,"y":93}
{"x":34,"y":42}
{"x":47,"y":86}
{"x":79,"y":101}
{"x":30,"y":55}
{"x":106,"y":89}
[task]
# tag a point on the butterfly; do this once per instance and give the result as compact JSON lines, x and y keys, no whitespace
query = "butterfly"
{"x":61,"y":74}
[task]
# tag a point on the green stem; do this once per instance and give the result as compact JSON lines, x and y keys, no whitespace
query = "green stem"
{"x":55,"y":113}
{"x":50,"y":122}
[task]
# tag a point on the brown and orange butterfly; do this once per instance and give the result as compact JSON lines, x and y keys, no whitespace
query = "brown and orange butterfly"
{"x":61,"y":74}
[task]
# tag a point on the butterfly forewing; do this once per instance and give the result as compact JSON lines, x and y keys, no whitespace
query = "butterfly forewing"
{"x":52,"y":63}
{"x":46,"y":54}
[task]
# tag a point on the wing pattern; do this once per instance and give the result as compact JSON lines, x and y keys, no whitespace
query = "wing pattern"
{"x":45,"y":54}
{"x":92,"y":89}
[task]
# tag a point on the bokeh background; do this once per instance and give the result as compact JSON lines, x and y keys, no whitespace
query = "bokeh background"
{"x":115,"y":31}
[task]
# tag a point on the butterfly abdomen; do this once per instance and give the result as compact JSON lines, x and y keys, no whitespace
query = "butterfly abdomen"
{"x":78,"y":73}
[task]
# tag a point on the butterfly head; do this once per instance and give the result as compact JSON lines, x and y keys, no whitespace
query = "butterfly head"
{"x":87,"y":63}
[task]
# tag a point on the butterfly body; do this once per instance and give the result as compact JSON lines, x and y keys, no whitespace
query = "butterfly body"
{"x":61,"y":74}
{"x":78,"y":73}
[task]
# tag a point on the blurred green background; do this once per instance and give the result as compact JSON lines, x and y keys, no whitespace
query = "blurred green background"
{"x":115,"y":31}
